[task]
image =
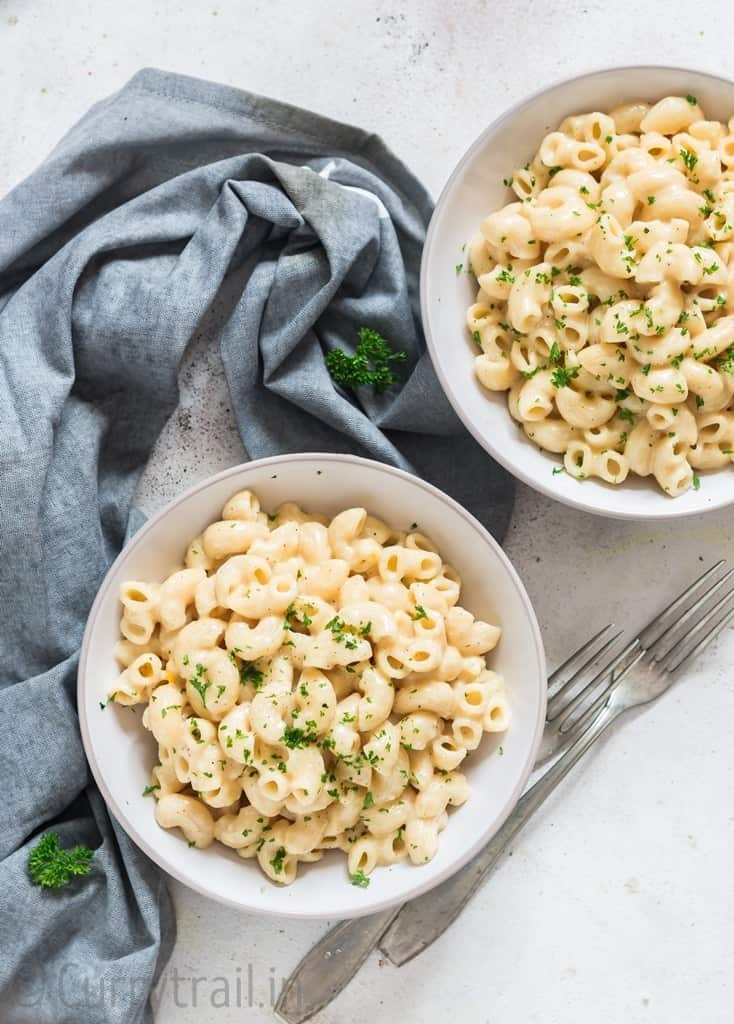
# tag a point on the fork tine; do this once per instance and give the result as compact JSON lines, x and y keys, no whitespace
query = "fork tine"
{"x":601,"y":658}
{"x":680,"y":628}
{"x":582,"y":651}
{"x":583,"y":695}
{"x":654,"y":631}
{"x":579,"y":726}
{"x":693,"y":642}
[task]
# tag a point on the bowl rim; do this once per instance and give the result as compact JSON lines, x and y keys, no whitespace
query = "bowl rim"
{"x":496,"y":453}
{"x":84,"y":674}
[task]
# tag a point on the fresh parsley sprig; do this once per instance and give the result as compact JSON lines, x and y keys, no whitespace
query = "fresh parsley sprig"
{"x":50,"y":866}
{"x":372,"y":363}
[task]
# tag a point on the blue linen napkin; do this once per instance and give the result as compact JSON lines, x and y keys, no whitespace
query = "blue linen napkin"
{"x":110,"y":255}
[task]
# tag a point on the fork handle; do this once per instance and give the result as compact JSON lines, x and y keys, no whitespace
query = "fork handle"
{"x":330,"y":965}
{"x":422,"y":920}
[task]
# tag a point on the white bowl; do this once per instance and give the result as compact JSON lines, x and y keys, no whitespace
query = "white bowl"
{"x":121,"y":752}
{"x":475,"y":189}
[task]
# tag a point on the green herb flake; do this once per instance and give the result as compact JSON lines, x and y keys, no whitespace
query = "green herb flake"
{"x":200,"y":683}
{"x":250,"y":674}
{"x":689,"y":159}
{"x":295,"y":738}
{"x":277,"y":862}
{"x":563,"y":375}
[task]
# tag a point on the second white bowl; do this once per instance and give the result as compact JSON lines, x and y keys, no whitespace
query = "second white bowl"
{"x":475,"y":189}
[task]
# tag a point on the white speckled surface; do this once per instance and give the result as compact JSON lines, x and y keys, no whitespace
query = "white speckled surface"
{"x":617,"y":902}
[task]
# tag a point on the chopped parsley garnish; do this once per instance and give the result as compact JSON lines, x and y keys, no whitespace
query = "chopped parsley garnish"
{"x":360,"y":879}
{"x":371,"y":363}
{"x":250,"y":674}
{"x":726,"y":361}
{"x":294,"y":737}
{"x":696,"y":482}
{"x":689,"y":159}
{"x":292,"y":619}
{"x":150,"y":789}
{"x":563,"y":375}
{"x":420,"y":613}
{"x":200,"y":682}
{"x":342,"y":633}
{"x":277,"y":862}
{"x":368,"y":800}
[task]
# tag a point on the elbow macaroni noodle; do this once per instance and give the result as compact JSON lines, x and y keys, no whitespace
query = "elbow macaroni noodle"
{"x":311,"y":684}
{"x":606,"y":294}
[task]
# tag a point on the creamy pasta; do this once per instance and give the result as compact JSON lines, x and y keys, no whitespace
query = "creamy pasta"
{"x":311,"y":684}
{"x":606,"y":294}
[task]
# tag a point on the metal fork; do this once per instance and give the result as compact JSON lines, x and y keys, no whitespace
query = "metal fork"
{"x":573,"y":699}
{"x":580,"y":710}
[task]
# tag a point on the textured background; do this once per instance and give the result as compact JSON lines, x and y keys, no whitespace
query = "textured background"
{"x":617,"y":902}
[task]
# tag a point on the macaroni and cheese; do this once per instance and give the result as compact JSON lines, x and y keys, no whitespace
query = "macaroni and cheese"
{"x":606,"y":294}
{"x":311,"y":684}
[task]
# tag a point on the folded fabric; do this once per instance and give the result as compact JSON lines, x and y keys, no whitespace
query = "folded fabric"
{"x":110,"y":255}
